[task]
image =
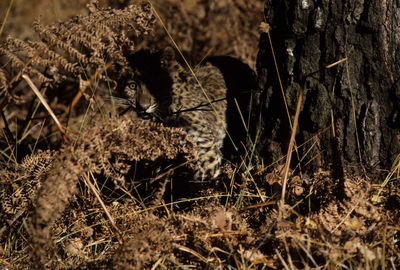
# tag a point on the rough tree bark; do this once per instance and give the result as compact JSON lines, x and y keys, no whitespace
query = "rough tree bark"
{"x":308,"y":35}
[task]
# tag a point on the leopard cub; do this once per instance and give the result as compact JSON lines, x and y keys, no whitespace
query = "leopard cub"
{"x":163,"y":90}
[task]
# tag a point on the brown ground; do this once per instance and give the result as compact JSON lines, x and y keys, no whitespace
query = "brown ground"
{"x":49,"y":217}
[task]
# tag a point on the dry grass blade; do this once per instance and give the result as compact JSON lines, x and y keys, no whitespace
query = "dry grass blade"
{"x":282,"y":260}
{"x":83,"y":89}
{"x":265,"y":28}
{"x":5,"y":262}
{"x":45,"y":104}
{"x":158,"y":263}
{"x":292,"y":137}
{"x":191,"y":251}
{"x":289,"y":153}
{"x":6,"y":16}
{"x":93,"y":189}
{"x":353,"y":111}
{"x":395,"y":170}
{"x":307,"y":252}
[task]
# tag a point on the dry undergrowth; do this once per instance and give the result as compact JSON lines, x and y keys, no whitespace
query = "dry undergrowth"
{"x":108,"y":149}
{"x":200,"y":27}
{"x":86,"y":52}
{"x":48,"y":216}
{"x":204,"y":28}
{"x":79,"y":47}
{"x":210,"y":231}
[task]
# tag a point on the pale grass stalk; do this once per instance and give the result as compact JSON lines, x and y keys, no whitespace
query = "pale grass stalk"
{"x":82,"y":90}
{"x":204,"y":57}
{"x":306,"y":154}
{"x":191,"y":251}
{"x":354,"y":111}
{"x":344,"y":219}
{"x":231,"y":185}
{"x":44,"y":102}
{"x":157,"y":263}
{"x":300,"y":146}
{"x":285,"y":265}
{"x":6,"y":16}
{"x":289,"y":153}
{"x":266,"y":29}
{"x":395,"y":168}
{"x":307,"y":252}
{"x":5,"y":263}
{"x":24,"y":135}
{"x":336,"y":63}
{"x":292,"y":137}
{"x":3,"y":152}
{"x":96,"y":194}
{"x":37,"y":139}
{"x":10,"y":223}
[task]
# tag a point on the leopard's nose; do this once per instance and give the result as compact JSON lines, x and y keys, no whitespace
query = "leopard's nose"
{"x":148,"y":106}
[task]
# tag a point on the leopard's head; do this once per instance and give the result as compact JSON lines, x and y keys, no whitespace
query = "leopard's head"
{"x":149,"y":89}
{"x":140,"y":98}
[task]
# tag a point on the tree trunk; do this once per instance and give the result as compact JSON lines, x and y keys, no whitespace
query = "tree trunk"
{"x":308,"y":35}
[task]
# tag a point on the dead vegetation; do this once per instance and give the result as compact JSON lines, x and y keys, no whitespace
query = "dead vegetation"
{"x":108,"y":149}
{"x":80,"y":47}
{"x":50,"y":218}
{"x":204,"y":28}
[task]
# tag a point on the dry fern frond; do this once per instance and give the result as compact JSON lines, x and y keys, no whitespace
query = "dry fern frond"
{"x":3,"y":79}
{"x":80,"y":46}
{"x":105,"y":148}
{"x":18,"y":64}
{"x":340,"y":225}
{"x":124,"y":141}
{"x":61,"y":61}
{"x":337,"y":218}
{"x":57,"y":41}
{"x":37,"y":164}
{"x":18,"y":187}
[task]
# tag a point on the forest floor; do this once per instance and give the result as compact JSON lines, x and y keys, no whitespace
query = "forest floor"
{"x":148,"y":215}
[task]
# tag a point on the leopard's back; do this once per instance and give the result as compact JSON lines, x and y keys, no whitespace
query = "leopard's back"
{"x":202,"y":101}
{"x":201,"y":106}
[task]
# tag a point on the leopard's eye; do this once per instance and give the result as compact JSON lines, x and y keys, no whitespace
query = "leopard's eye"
{"x":132,"y":86}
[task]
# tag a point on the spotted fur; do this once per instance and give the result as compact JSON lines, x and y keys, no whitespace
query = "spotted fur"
{"x":166,"y":91}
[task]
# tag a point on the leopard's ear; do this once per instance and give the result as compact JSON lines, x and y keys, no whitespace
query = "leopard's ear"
{"x":168,"y":55}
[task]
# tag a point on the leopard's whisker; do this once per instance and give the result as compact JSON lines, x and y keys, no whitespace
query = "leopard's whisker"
{"x":118,"y":100}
